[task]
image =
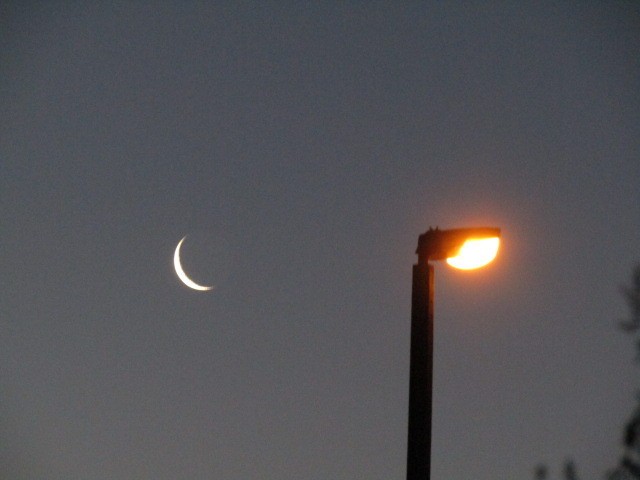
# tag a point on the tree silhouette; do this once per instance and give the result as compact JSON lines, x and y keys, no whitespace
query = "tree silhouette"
{"x":541,"y":471}
{"x":570,"y":471}
{"x":632,"y":296}
{"x":628,"y":467}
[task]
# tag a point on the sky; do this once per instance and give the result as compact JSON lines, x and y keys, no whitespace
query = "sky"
{"x":302,"y":148}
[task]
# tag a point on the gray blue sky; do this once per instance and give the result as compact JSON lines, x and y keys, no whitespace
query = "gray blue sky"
{"x":303,"y":147}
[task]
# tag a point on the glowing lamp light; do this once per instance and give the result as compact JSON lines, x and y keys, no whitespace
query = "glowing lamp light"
{"x":475,"y":253}
{"x":463,"y":248}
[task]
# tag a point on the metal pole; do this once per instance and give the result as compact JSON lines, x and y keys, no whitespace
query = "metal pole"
{"x":420,"y":373}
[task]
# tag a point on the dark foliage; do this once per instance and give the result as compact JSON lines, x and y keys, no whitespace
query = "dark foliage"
{"x":628,"y":467}
{"x":632,"y":296}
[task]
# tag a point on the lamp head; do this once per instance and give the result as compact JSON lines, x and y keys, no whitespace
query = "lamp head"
{"x":465,"y":248}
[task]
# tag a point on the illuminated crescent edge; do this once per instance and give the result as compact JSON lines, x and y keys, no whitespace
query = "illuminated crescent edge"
{"x":180,"y":272}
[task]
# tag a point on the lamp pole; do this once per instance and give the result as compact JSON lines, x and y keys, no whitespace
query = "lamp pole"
{"x":421,"y":372}
{"x":464,"y":248}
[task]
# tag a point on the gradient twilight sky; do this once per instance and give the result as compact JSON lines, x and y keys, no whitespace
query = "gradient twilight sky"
{"x":303,"y":147}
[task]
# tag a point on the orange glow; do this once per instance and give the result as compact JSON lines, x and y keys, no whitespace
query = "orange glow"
{"x":475,"y":253}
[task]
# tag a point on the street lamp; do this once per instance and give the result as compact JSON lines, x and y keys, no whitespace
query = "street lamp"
{"x":464,"y":248}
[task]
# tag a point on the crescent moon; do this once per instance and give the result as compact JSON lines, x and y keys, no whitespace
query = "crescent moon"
{"x":183,"y":276}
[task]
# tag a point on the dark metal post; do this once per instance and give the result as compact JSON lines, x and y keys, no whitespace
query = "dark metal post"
{"x":421,"y":372}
